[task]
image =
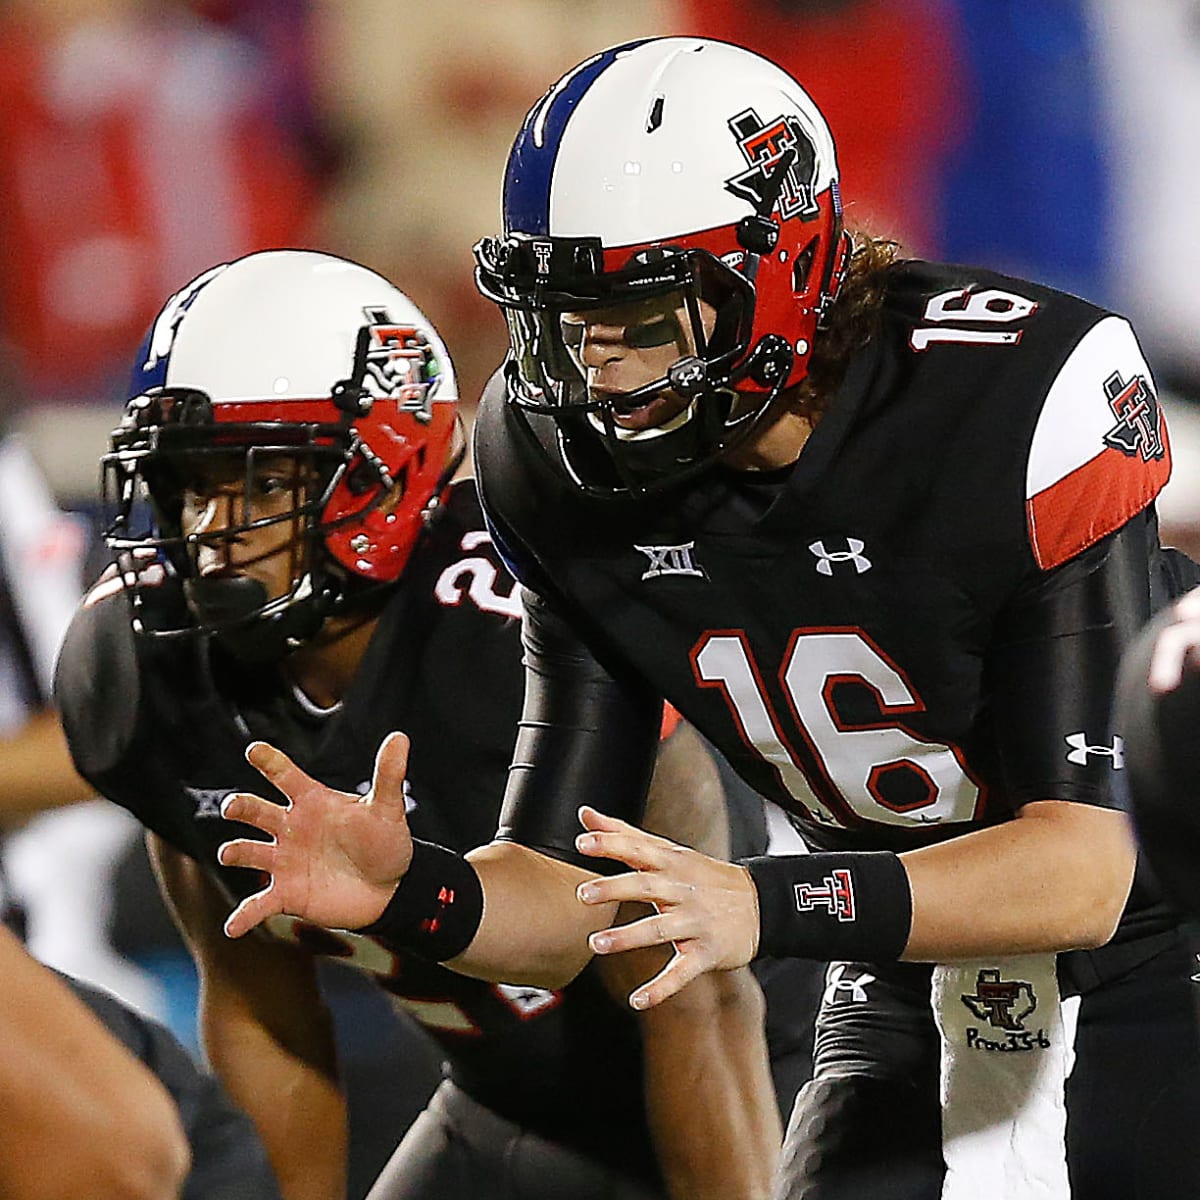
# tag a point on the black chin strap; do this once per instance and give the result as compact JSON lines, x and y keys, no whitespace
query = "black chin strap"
{"x":230,"y":608}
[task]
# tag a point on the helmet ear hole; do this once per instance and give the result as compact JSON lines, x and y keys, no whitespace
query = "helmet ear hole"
{"x":395,"y":493}
{"x":361,"y":478}
{"x":802,"y":267}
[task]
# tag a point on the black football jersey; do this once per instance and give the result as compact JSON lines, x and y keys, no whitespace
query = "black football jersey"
{"x":914,"y":630}
{"x":161,"y":727}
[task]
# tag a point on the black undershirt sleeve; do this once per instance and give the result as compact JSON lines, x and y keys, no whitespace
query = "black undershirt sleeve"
{"x":1052,"y":667}
{"x":585,"y":737}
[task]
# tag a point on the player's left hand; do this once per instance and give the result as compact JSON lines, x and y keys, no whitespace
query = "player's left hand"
{"x":706,"y":909}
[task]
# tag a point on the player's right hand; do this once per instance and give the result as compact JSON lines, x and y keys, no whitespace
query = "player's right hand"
{"x":334,"y":858}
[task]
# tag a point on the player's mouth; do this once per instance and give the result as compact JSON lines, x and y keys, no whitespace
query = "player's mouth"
{"x":644,"y":412}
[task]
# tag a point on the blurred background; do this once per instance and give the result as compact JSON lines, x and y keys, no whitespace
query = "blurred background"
{"x":142,"y":141}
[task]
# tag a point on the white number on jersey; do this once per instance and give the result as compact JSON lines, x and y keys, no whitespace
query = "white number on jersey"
{"x":476,"y":579}
{"x":851,"y":760}
{"x":988,"y":307}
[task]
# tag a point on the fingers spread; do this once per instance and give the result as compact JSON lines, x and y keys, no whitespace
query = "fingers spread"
{"x":659,"y":929}
{"x":391,"y":766}
{"x":637,"y":849}
{"x":651,"y":887}
{"x":591,"y":818}
{"x":675,"y":976}
{"x":255,"y":810}
{"x":251,"y":912}
{"x":276,"y":767}
{"x":258,"y":856}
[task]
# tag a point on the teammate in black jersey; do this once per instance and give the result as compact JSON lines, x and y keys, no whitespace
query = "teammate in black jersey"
{"x":880,"y":530}
{"x":293,"y":424}
{"x":1158,"y":708}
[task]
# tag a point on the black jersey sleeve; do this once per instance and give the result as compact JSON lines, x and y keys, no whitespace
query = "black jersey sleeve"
{"x":585,"y":737}
{"x":1051,"y":668}
{"x":97,"y":684}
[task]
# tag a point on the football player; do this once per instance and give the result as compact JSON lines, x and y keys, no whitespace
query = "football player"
{"x":1158,"y":707}
{"x":306,"y":572}
{"x":880,"y":529}
{"x":81,"y":1118}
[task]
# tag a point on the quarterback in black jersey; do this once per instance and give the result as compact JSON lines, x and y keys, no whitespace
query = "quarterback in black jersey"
{"x":880,"y":530}
{"x":294,"y":425}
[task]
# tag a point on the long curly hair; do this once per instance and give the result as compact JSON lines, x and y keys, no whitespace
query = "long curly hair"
{"x":852,"y":322}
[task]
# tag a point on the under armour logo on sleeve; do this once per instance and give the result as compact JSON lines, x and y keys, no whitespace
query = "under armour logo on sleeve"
{"x":1080,"y":751}
{"x":846,"y":984}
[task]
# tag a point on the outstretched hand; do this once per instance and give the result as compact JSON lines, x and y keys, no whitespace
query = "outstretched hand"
{"x":706,"y":909}
{"x":335,"y":858}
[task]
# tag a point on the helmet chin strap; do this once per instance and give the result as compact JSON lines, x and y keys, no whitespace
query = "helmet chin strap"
{"x":231,"y":607}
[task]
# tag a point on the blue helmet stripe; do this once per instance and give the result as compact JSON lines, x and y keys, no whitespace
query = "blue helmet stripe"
{"x":154,"y":354}
{"x":530,"y":167}
{"x":146,"y":377}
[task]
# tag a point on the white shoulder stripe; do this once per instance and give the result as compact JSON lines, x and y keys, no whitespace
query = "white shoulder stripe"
{"x":1076,"y":415}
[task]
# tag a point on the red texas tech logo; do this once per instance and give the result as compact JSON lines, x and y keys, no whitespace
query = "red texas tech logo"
{"x":763,"y":145}
{"x":1002,"y":1003}
{"x":836,"y":896}
{"x":1136,"y":408}
{"x":401,"y":362}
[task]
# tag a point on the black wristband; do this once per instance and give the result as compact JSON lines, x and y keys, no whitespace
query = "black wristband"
{"x":436,"y":908}
{"x":855,"y":906}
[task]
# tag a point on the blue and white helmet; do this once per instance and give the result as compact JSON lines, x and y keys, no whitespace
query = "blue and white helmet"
{"x":299,"y":354}
{"x":662,"y":166}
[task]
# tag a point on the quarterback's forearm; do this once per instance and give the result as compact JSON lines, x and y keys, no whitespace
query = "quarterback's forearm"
{"x":1056,"y":878}
{"x":533,"y":930}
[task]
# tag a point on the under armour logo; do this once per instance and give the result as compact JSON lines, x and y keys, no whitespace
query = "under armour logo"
{"x":836,"y":896}
{"x":843,"y":987}
{"x":853,"y":554}
{"x":1002,"y":1003}
{"x":207,"y":800}
{"x":1080,"y":750}
{"x":542,"y":252}
{"x":670,"y":560}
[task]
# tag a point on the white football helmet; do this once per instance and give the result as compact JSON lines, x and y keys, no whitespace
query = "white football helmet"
{"x":286,"y":352}
{"x":669,"y":166}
